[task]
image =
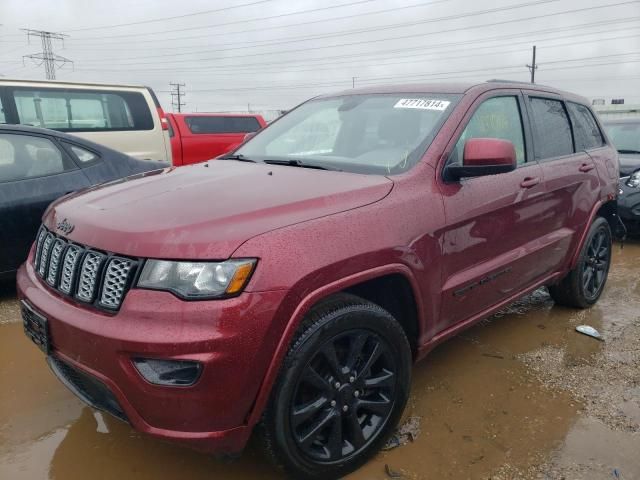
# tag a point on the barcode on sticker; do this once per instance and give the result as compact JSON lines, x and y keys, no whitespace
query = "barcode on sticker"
{"x":422,"y":103}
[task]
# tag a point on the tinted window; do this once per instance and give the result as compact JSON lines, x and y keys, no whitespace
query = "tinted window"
{"x":625,"y":136}
{"x":83,"y":155}
{"x":497,"y":117}
{"x":24,"y":156}
{"x":2,"y":116}
{"x":551,"y":132}
{"x":585,"y":128}
{"x":222,"y":124}
{"x":79,"y":110}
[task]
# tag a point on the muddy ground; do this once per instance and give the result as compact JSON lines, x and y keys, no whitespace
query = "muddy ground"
{"x":519,"y":396}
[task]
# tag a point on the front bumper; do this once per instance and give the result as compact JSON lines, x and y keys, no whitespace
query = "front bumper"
{"x":234,"y":340}
{"x":629,"y":207}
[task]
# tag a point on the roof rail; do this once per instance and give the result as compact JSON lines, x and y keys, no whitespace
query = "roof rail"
{"x":498,"y":80}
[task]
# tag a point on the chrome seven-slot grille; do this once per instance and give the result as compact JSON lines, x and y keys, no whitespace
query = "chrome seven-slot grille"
{"x":87,"y":275}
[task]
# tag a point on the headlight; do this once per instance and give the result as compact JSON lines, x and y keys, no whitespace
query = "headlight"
{"x":197,"y":279}
{"x":634,"y":180}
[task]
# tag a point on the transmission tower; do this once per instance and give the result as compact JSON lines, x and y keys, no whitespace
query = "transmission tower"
{"x":176,"y":96}
{"x":47,"y":57}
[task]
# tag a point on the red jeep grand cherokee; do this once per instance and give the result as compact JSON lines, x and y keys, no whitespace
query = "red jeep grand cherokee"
{"x":293,"y":282}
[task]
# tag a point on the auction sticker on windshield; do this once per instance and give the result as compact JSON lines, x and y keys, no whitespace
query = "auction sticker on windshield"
{"x":422,"y":103}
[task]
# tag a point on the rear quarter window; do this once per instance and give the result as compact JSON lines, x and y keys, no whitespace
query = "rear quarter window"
{"x":219,"y":124}
{"x":82,"y":110}
{"x":552,"y":130}
{"x":585,"y":128}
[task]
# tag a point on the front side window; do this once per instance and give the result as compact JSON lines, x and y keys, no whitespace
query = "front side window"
{"x":24,"y":156}
{"x":625,"y":136}
{"x":375,"y":133}
{"x":220,"y":124}
{"x":82,"y":111}
{"x":585,"y":128}
{"x":497,"y":117}
{"x":551,"y":128}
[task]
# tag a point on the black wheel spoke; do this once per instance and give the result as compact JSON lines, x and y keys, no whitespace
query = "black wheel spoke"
{"x":334,"y":445}
{"x":377,"y":407}
{"x":330,"y":354}
{"x":356,"y":435}
{"x":316,"y":429}
{"x":355,"y":349}
{"x":313,"y":378}
{"x":386,"y":379}
{"x":373,"y":356}
{"x":307,"y":411}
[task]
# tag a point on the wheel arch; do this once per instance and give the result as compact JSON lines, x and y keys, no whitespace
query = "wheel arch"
{"x":609,"y":211}
{"x":367,"y":284}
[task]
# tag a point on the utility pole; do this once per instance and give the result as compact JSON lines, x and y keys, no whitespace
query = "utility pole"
{"x":353,"y":82}
{"x":176,"y":96}
{"x":47,"y":57}
{"x":533,"y":67}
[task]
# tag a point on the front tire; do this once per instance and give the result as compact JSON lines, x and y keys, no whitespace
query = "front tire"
{"x":341,"y":390}
{"x":583,"y":286}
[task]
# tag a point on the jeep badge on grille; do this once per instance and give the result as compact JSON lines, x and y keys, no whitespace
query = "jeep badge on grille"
{"x":65,"y":226}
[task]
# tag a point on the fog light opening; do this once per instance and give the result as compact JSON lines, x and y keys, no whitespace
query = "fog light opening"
{"x":173,"y":373}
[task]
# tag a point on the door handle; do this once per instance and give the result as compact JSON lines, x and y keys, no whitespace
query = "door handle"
{"x":530,"y":182}
{"x":586,"y":167}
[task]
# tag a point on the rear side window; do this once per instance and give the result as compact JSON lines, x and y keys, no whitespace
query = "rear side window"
{"x":84,"y":156}
{"x":585,"y":128}
{"x":552,"y":131}
{"x":203,"y":125}
{"x":82,"y":110}
{"x":26,"y":156}
{"x":497,"y":117}
{"x":3,"y":119}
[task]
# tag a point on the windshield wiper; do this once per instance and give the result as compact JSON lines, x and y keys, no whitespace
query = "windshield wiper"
{"x":297,"y":163}
{"x":629,"y":151}
{"x":238,"y":156}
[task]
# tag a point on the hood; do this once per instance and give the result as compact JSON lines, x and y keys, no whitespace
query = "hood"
{"x":206,"y":211}
{"x":628,"y":164}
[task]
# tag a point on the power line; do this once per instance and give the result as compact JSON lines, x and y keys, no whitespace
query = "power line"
{"x":236,"y":22}
{"x":287,"y":40}
{"x":263,"y":28}
{"x":387,"y":39}
{"x":176,"y":96}
{"x":173,"y":17}
{"x":434,"y":50}
{"x":47,"y":57}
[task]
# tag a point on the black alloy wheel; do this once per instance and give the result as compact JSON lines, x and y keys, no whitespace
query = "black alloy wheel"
{"x":344,"y":396}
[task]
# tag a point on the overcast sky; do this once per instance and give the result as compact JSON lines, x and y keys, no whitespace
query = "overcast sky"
{"x":272,"y":54}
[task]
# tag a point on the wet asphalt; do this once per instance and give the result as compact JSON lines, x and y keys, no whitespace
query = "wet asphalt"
{"x":520,"y":395}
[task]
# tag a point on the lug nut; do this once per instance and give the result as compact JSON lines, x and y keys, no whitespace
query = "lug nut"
{"x":333,"y":403}
{"x":356,"y":394}
{"x":352,"y":379}
{"x":337,"y":384}
{"x":345,"y":408}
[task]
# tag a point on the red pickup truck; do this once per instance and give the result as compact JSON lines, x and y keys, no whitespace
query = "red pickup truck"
{"x":196,"y":137}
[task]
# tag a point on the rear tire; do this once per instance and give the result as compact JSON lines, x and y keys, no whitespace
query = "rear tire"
{"x":341,"y":390}
{"x":583,"y":285}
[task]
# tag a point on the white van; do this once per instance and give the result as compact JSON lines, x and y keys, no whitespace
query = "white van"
{"x":123,"y":117}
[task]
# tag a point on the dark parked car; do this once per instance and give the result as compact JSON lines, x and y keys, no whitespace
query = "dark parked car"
{"x":38,"y":166}
{"x":625,"y":135}
{"x":293,"y":282}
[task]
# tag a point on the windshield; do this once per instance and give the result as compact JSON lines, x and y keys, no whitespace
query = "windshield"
{"x":383,"y":134}
{"x":625,"y":136}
